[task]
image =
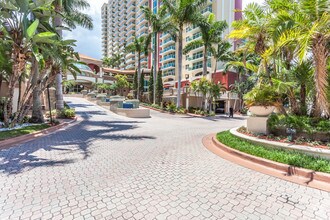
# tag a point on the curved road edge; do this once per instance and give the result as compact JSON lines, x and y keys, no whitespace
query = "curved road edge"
{"x":283,"y":171}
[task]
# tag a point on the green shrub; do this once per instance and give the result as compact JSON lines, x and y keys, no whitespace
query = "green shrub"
{"x":282,"y":156}
{"x":323,"y":125}
{"x":181,"y":110}
{"x":67,"y":113}
{"x":171,"y":107}
{"x":301,"y":123}
{"x":54,"y":113}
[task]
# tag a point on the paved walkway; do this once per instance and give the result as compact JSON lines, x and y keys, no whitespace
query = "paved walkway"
{"x":111,"y":167}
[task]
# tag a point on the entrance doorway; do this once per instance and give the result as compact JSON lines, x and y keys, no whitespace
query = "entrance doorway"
{"x":220,"y":107}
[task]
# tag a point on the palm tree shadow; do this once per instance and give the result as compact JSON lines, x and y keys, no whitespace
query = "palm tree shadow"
{"x":79,"y":138}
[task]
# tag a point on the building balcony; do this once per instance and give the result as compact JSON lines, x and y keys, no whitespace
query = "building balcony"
{"x":129,"y":55}
{"x":142,"y":22}
{"x":130,"y":67}
{"x":142,"y":29}
{"x":130,"y":61}
{"x":169,"y":73}
{"x":131,"y":18}
{"x":130,"y":31}
{"x":142,"y":2}
{"x":130,"y":25}
{"x":167,"y":42}
{"x":164,"y":35}
{"x":167,"y":50}
{"x":168,"y":58}
{"x":168,"y":66}
{"x":130,"y":5}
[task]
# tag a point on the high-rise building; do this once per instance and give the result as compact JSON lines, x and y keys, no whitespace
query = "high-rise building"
{"x":122,"y":20}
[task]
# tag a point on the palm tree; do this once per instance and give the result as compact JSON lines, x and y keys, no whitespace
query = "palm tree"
{"x":182,"y":12}
{"x":211,"y":31}
{"x":68,"y":12}
{"x":140,"y":46}
{"x":254,"y":28}
{"x":113,"y":61}
{"x":222,"y":53}
{"x":158,"y":23}
{"x":19,"y":29}
{"x":310,"y":34}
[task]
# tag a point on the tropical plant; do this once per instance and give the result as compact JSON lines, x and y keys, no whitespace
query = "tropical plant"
{"x":135,"y":84}
{"x":159,"y":88}
{"x":121,"y":83}
{"x":141,"y":84}
{"x":310,"y":35}
{"x":152,"y":85}
{"x":158,"y":23}
{"x":222,"y":53}
{"x":19,"y":28}
{"x":113,"y":61}
{"x":182,"y":12}
{"x":265,"y":95}
{"x":255,"y":30}
{"x":68,"y":12}
{"x":211,"y":31}
{"x":140,"y":46}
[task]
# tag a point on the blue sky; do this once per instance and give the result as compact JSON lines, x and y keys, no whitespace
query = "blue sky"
{"x":89,"y":42}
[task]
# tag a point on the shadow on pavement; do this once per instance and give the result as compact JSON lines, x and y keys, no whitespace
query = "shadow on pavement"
{"x":76,"y":138}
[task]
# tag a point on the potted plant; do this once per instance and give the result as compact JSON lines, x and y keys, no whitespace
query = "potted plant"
{"x":261,"y":100}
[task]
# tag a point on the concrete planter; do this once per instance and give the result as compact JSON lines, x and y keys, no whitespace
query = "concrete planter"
{"x":262,"y":111}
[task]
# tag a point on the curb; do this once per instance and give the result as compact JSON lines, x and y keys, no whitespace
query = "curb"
{"x":290,"y":173}
{"x":5,"y":144}
{"x":166,"y":112}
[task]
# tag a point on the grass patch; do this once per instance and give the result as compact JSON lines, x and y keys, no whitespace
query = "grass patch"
{"x":292,"y":158}
{"x":22,"y":131}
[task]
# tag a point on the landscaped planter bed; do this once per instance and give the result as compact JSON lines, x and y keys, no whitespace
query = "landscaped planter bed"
{"x":281,"y":136}
{"x":292,"y":158}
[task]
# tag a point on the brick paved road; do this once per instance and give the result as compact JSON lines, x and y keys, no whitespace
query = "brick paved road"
{"x":111,"y":167}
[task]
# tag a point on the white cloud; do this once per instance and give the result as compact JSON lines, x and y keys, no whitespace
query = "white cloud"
{"x":89,"y":41}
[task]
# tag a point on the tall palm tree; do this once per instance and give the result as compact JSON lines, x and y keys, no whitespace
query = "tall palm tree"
{"x":182,"y":12}
{"x":254,"y":28}
{"x":69,"y":13}
{"x":310,"y":34}
{"x":158,"y":24}
{"x":222,"y":53}
{"x":141,"y":45}
{"x":211,"y":31}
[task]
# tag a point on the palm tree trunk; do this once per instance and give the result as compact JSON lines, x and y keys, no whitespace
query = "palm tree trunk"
{"x":303,"y":107}
{"x":205,"y":61}
{"x":19,"y":90}
{"x":139,"y":76}
{"x":320,"y":53}
{"x":1,"y":79}
{"x":155,"y":67}
{"x":37,"y":116}
{"x":59,"y":87}
{"x":178,"y":101}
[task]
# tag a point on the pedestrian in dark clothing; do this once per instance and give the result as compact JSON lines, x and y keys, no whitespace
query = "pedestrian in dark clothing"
{"x":231,"y":112}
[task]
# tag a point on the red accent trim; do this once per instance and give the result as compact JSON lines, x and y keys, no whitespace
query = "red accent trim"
{"x":226,"y":79}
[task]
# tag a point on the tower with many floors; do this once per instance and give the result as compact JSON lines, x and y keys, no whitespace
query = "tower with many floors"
{"x":122,"y":20}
